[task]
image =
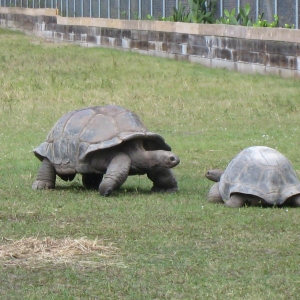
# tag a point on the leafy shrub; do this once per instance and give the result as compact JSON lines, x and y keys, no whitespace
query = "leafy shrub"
{"x":179,"y":15}
{"x":202,"y":11}
{"x":241,"y":19}
{"x":264,"y":23}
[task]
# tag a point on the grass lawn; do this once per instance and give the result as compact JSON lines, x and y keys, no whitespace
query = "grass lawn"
{"x":151,"y":246}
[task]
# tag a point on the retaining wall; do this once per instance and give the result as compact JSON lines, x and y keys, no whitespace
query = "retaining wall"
{"x":245,"y":49}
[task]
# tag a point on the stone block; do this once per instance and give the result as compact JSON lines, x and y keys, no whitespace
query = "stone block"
{"x":207,"y":62}
{"x":114,"y":32}
{"x":288,"y":73}
{"x":151,"y":45}
{"x":283,"y":48}
{"x":174,"y":48}
{"x":225,"y":54}
{"x":170,"y":37}
{"x":135,"y":34}
{"x":126,"y":34}
{"x":126,"y":43}
{"x":272,"y":71}
{"x":80,"y":29}
{"x":91,"y":39}
{"x":224,"y":64}
{"x":247,"y":57}
{"x":197,"y":40}
{"x":93,"y":30}
{"x":250,"y":68}
{"x":182,"y":57}
{"x":277,"y":60}
{"x":199,"y":51}
{"x":104,"y":41}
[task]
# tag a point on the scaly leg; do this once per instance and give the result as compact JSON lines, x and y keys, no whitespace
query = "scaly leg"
{"x":236,"y":200}
{"x":294,"y":201}
{"x":214,"y":194}
{"x":46,"y":176}
{"x":116,"y":174}
{"x":163,"y":180}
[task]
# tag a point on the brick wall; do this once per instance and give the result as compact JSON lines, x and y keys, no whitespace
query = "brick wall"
{"x":245,"y":49}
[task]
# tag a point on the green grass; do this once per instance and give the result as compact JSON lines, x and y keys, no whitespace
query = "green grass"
{"x":174,"y":246}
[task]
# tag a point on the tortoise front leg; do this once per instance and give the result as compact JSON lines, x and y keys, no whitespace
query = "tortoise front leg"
{"x":214,"y":194}
{"x":163,"y":180}
{"x":46,"y":176}
{"x":116,"y":174}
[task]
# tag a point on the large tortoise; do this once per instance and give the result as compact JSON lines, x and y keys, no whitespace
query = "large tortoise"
{"x":105,"y":144}
{"x":256,"y":176}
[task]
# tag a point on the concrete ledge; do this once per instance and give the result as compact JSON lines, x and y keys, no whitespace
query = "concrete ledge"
{"x":244,"y":49}
{"x":28,"y":11}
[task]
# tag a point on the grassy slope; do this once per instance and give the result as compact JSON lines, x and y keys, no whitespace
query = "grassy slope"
{"x":173,"y":246}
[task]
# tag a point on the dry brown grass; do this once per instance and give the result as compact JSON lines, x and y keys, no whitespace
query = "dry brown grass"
{"x":34,"y":252}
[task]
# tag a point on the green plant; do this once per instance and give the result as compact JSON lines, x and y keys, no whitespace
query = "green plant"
{"x":243,"y":16}
{"x":201,"y":11}
{"x":289,"y":26}
{"x":151,"y":18}
{"x":179,"y":15}
{"x":241,"y":19}
{"x":136,"y":16}
{"x":264,"y":23}
{"x":124,"y":14}
{"x":229,"y":18}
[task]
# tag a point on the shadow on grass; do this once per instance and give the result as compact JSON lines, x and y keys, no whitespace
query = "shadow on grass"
{"x":119,"y":192}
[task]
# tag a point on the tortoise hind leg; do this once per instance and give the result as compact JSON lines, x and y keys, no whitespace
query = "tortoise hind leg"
{"x":236,"y":200}
{"x":163,"y":180}
{"x":293,"y":201}
{"x":46,"y":176}
{"x":92,"y":181}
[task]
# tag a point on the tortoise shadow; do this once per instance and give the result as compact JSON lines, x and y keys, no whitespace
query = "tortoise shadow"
{"x":118,"y":192}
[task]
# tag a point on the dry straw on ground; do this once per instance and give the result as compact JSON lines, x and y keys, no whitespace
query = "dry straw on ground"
{"x":34,"y":252}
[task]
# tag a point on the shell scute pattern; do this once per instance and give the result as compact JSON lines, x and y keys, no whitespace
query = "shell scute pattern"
{"x":80,"y":132}
{"x":260,"y":171}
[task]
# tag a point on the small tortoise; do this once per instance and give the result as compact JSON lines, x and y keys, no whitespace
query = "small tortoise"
{"x":256,"y":176}
{"x":105,"y":144}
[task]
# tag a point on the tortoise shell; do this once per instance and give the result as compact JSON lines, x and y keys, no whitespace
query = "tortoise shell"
{"x":260,"y":171}
{"x":81,"y":132}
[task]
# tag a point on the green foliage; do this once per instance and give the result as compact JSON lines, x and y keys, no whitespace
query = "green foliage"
{"x":124,"y":14}
{"x":180,"y":14}
{"x":229,"y":18}
{"x":243,"y":16}
{"x":136,"y":16}
{"x":264,"y":23}
{"x":150,"y":18}
{"x":289,"y":26}
{"x":202,"y":11}
{"x":241,"y":19}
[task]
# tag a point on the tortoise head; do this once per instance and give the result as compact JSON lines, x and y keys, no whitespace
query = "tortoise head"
{"x":166,"y":159}
{"x":214,"y":175}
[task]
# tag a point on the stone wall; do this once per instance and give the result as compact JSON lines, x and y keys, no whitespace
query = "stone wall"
{"x":245,"y":49}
